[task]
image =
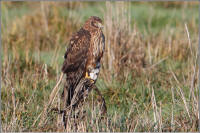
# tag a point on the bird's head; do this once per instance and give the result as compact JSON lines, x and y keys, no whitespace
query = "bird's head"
{"x":93,"y":23}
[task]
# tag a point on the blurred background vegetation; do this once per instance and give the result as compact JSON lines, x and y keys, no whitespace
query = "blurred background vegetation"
{"x":149,"y":74}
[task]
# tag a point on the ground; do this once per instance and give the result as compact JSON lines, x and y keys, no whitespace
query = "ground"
{"x":149,"y":75}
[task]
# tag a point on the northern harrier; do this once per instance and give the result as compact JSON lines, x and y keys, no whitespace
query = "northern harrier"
{"x":83,"y":56}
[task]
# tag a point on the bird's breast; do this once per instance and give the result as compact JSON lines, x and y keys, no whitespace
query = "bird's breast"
{"x":98,"y":45}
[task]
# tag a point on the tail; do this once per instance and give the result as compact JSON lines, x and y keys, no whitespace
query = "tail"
{"x":67,"y":94}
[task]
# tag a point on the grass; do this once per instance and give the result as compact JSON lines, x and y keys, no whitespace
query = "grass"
{"x":149,"y":70}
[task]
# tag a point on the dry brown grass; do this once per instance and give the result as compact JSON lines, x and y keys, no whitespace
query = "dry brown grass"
{"x":150,"y":81}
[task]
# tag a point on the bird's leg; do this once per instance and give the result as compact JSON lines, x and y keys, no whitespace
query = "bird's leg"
{"x":87,"y":75}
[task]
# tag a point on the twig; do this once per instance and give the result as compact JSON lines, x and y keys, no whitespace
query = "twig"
{"x":182,"y":94}
{"x":51,"y":99}
{"x":188,"y":35}
{"x":14,"y":107}
{"x":160,"y":61}
{"x":45,"y":19}
{"x":153,"y":100}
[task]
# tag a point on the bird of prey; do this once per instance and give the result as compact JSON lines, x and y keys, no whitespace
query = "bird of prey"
{"x":83,"y":56}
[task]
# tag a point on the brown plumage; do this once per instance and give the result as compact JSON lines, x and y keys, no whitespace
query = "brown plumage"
{"x":83,"y":55}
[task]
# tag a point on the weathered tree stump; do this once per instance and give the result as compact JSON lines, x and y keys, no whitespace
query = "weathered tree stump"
{"x":81,"y":92}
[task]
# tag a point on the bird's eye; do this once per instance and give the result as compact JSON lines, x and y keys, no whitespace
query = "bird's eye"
{"x":95,"y":24}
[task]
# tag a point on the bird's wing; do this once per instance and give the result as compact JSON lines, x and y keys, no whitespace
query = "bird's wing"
{"x":77,"y":51}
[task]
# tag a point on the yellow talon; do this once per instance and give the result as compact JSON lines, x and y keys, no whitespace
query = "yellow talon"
{"x":87,"y":76}
{"x":92,"y":81}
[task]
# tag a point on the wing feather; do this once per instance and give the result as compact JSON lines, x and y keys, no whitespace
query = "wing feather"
{"x":75,"y":61}
{"x":76,"y":54}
